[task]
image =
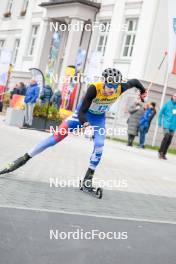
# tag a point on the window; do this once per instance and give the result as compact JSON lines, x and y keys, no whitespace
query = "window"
{"x":9,"y":6}
{"x":15,"y":51}
{"x":25,"y":5}
{"x":8,"y":9}
{"x":33,"y":40}
{"x":24,"y":8}
{"x":2,"y":42}
{"x":129,"y":38}
{"x":104,"y":27}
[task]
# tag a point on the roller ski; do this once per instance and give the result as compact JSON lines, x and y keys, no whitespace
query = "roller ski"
{"x":86,"y":185}
{"x":12,"y":166}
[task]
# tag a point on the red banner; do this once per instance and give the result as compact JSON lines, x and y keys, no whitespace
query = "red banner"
{"x":2,"y":89}
{"x":174,"y":66}
{"x":69,"y":89}
{"x":17,"y":101}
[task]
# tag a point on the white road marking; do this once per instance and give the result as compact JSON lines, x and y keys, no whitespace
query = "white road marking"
{"x":90,"y":215}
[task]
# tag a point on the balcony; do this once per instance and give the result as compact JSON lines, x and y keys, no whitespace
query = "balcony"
{"x":63,"y":9}
{"x":85,"y":2}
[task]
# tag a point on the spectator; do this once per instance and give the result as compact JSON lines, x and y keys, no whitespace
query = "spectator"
{"x":57,"y":99}
{"x":152,"y":105}
{"x":21,"y":89}
{"x":31,"y":97}
{"x":14,"y":91}
{"x":167,"y":120}
{"x":136,"y":110}
{"x":46,"y":94}
{"x":145,"y":122}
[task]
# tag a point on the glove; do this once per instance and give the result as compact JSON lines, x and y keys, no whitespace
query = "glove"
{"x":88,"y":132}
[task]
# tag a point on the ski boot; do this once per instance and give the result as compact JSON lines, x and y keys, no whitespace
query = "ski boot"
{"x":15,"y":164}
{"x":87,"y":182}
{"x":86,"y":185}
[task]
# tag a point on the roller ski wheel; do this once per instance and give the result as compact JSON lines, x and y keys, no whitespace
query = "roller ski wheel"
{"x":80,"y":185}
{"x":95,"y":192}
{"x":99,"y":193}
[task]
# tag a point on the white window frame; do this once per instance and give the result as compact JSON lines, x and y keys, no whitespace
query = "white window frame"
{"x":9,"y":6}
{"x":33,"y":40}
{"x":2,"y":44}
{"x":15,"y":50}
{"x":131,"y":35}
{"x":104,"y":36}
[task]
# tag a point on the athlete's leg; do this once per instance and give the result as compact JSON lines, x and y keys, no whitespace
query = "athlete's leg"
{"x":69,"y":124}
{"x":98,"y":123}
{"x":50,"y":141}
{"x":99,"y":138}
{"x":44,"y":144}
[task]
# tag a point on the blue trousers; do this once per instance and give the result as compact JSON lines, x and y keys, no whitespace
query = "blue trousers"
{"x":96,"y":121}
{"x":143,"y":131}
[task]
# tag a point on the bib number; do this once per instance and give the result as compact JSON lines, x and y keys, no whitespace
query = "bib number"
{"x":103,"y":108}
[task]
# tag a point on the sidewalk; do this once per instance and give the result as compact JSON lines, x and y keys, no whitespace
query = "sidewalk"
{"x":141,"y":169}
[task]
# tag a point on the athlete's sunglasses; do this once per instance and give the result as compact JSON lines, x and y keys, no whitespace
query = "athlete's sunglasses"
{"x":112,"y":85}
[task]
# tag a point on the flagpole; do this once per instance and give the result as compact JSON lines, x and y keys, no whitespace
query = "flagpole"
{"x":158,"y":69}
{"x":161,"y":104}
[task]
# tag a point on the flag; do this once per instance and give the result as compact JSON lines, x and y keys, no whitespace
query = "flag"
{"x":3,"y":78}
{"x":38,"y":76}
{"x":172,"y":35}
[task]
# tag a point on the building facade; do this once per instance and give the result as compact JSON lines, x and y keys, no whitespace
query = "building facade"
{"x":131,"y":35}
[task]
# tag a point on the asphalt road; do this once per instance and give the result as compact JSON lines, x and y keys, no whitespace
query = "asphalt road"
{"x":25,"y":237}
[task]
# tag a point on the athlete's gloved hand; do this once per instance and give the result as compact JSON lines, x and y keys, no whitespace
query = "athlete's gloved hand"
{"x":88,"y":130}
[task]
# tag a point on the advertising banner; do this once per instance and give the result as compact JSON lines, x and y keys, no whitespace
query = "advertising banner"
{"x":5,"y":60}
{"x":17,"y":101}
{"x":69,"y":89}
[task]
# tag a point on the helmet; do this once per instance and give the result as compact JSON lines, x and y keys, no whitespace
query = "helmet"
{"x":112,"y":75}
